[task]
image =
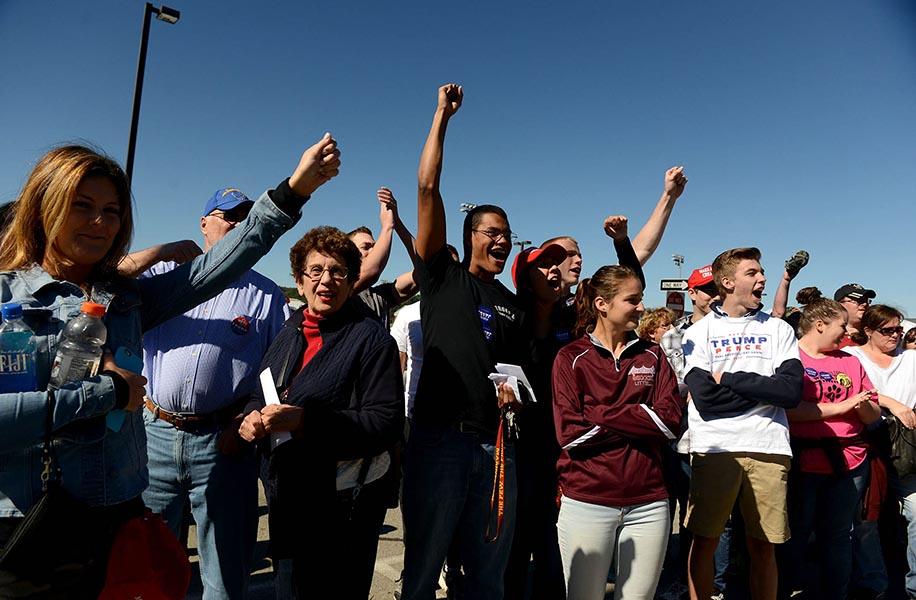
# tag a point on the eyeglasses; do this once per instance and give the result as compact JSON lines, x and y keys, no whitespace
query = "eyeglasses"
{"x":233,"y":216}
{"x":889,"y":331}
{"x":316,"y":272}
{"x":860,"y":301}
{"x":496,"y":234}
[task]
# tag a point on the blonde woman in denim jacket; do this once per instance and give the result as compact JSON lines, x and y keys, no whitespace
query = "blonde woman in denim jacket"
{"x":72,"y":223}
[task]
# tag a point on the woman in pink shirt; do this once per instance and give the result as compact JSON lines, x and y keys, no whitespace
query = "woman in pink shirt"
{"x":830,"y":469}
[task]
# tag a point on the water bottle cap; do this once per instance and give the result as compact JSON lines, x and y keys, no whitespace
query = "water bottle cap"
{"x":10,"y":311}
{"x":93,"y":309}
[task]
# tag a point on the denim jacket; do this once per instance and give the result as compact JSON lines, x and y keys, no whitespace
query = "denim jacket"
{"x":100,"y":466}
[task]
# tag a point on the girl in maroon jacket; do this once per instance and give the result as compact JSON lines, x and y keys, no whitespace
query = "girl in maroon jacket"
{"x":615,"y":403}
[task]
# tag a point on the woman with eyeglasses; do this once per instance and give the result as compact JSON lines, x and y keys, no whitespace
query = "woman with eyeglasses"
{"x":338,"y":378}
{"x":893,"y":373}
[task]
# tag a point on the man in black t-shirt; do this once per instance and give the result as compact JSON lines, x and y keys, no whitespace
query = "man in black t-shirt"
{"x":470,"y":322}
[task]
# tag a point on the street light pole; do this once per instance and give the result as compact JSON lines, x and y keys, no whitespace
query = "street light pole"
{"x":679,"y":261}
{"x":171,"y":16}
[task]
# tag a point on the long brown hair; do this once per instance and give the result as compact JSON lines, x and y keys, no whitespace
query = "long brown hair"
{"x":44,"y":204}
{"x":605,"y":283}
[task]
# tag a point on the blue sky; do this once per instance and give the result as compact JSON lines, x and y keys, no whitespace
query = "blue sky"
{"x":796,"y":121}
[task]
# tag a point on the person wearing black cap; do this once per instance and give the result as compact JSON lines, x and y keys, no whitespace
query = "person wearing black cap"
{"x":856,"y":300}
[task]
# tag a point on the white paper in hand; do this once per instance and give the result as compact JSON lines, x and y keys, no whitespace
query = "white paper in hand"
{"x":270,"y":397}
{"x":517,"y":372}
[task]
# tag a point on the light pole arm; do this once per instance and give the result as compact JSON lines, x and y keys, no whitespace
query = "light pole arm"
{"x":138,"y":91}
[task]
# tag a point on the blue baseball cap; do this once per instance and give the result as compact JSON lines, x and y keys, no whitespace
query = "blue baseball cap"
{"x":225,"y":199}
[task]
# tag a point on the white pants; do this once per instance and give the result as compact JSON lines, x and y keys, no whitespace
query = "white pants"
{"x":591,"y":535}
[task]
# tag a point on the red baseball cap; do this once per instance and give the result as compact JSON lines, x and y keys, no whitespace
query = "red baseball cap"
{"x":527,"y":257}
{"x":700,"y":277}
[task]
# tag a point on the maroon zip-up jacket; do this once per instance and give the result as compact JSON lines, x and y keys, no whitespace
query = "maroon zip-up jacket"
{"x":613,"y":415}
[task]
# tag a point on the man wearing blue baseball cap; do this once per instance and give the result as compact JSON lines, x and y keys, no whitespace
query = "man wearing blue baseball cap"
{"x":201,"y":368}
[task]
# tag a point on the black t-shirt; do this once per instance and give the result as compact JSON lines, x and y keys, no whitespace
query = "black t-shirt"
{"x":468,"y":326}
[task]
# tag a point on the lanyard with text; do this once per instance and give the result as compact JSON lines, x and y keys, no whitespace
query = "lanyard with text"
{"x":498,"y":495}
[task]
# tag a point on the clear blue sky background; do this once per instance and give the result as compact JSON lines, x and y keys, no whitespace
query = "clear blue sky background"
{"x":795,"y":120}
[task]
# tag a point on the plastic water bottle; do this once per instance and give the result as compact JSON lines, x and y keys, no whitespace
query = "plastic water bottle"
{"x":80,"y":349}
{"x":17,"y":352}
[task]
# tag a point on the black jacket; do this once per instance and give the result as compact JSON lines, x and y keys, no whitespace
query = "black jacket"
{"x":352,"y":392}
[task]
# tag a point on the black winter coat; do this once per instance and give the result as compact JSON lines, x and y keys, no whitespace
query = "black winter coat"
{"x":352,"y":392}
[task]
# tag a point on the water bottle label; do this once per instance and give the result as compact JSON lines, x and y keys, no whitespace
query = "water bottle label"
{"x":14,"y":363}
{"x":17,"y":363}
{"x":73,"y":368}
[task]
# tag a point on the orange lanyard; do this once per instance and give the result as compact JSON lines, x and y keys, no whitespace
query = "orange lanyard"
{"x":498,"y":495}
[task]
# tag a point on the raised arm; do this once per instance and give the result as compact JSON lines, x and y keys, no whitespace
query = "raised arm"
{"x":430,"y":210}
{"x":616,"y":228}
{"x":781,"y":298}
{"x":404,"y":285}
{"x":169,"y":294}
{"x":375,"y":262}
{"x":137,"y":262}
{"x":646,"y":241}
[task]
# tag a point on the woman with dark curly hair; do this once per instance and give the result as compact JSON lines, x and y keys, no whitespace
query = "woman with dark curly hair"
{"x":337,"y":373}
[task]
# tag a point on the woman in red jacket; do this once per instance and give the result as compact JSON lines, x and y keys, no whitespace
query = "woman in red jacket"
{"x":616,"y":404}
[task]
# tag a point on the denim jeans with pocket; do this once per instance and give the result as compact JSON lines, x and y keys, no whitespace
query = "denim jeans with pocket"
{"x":223,"y":492}
{"x":448,"y":479}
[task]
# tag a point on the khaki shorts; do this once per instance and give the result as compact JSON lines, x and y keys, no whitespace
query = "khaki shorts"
{"x":757,"y":481}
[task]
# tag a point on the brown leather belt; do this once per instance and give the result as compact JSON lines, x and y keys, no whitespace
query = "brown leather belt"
{"x":190,"y":421}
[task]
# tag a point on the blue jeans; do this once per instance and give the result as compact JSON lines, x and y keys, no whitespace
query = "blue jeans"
{"x":448,"y":478}
{"x":825,"y":505}
{"x":223,"y":493}
{"x":905,"y":489}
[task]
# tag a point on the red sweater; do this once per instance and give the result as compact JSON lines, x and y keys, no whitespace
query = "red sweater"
{"x":613,"y":416}
{"x":312,"y":337}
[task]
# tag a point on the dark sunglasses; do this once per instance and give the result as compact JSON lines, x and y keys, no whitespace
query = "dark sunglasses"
{"x":234,"y":215}
{"x":889,"y":331}
{"x":709,"y":290}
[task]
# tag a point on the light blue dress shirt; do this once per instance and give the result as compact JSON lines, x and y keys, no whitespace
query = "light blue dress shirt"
{"x":208,"y":358}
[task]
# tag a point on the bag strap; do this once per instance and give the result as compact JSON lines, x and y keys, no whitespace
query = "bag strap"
{"x":50,"y":474}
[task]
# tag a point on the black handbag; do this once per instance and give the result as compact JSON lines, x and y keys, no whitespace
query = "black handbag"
{"x":58,"y":537}
{"x":903,"y":448}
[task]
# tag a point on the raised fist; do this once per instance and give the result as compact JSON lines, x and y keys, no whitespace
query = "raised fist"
{"x":318,"y":165}
{"x":675,"y":181}
{"x":616,"y":227}
{"x":450,"y":97}
{"x":388,"y":215}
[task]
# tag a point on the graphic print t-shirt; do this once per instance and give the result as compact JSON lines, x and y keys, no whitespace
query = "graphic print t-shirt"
{"x":756,"y":343}
{"x":830,"y":380}
{"x":468,"y":326}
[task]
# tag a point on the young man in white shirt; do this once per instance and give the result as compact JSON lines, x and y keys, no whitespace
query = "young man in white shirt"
{"x":743,"y":371}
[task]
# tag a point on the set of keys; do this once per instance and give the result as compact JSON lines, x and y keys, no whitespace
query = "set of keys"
{"x":511,"y":425}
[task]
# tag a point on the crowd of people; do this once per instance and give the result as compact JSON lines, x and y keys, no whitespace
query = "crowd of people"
{"x":540,"y":442}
